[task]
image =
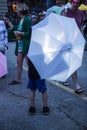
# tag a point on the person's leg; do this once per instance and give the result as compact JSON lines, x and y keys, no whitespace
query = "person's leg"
{"x":20,"y":58}
{"x":32,"y":87}
{"x":26,"y":60}
{"x":45,"y":103}
{"x":32,"y":102}
{"x":75,"y":80}
{"x":32,"y":98}
{"x":44,"y":98}
{"x":42,"y":88}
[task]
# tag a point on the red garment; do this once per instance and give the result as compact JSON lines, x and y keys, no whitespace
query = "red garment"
{"x":78,"y":15}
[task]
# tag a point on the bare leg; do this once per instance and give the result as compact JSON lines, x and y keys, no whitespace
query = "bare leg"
{"x":75,"y":80}
{"x":26,"y":60}
{"x":19,"y":66}
{"x":44,"y":98}
{"x":46,"y":109}
{"x":32,"y":98}
{"x":32,"y":102}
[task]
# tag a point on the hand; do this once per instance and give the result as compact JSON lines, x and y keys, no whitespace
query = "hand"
{"x":8,"y":22}
{"x":17,"y":33}
{"x":6,"y":19}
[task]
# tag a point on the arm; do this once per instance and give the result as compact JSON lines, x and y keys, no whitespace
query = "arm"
{"x":64,"y":12}
{"x":9,"y":22}
{"x":26,"y":29}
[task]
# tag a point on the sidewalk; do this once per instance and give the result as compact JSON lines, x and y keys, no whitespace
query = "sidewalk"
{"x":68,"y":110}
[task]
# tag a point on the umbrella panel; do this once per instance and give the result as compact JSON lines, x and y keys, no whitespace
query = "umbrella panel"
{"x":55,"y":9}
{"x":3,"y":65}
{"x":55,"y":49}
{"x":60,"y":67}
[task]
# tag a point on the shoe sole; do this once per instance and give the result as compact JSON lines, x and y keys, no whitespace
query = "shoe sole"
{"x":79,"y":92}
{"x":46,"y":113}
{"x":31,"y":113}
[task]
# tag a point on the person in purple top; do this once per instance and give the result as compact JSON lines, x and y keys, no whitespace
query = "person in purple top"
{"x":74,"y":12}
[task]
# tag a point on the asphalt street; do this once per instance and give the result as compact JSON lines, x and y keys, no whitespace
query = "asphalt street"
{"x":68,"y":111}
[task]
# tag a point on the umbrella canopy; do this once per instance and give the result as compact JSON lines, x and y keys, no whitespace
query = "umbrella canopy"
{"x":56,"y":47}
{"x":55,"y":9}
{"x":3,"y":65}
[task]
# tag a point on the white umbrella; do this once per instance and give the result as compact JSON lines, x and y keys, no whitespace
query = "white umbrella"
{"x":56,"y":47}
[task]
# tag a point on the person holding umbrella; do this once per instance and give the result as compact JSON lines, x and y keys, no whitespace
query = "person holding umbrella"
{"x":78,"y":15}
{"x":36,"y":83}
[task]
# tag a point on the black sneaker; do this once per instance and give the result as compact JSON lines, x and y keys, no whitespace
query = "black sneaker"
{"x":32,"y":110}
{"x":46,"y":110}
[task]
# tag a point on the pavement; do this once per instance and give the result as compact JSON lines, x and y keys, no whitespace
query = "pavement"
{"x":68,"y":111}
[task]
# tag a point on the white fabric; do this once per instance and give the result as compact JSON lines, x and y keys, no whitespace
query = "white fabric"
{"x":3,"y":65}
{"x":56,"y":47}
{"x":3,"y":34}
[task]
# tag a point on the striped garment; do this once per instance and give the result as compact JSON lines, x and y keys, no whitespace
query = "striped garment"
{"x":3,"y":34}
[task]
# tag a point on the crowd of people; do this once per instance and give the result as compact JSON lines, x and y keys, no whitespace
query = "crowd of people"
{"x":22,"y":32}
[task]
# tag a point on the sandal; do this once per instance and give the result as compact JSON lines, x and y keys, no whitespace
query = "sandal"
{"x":14,"y":82}
{"x":65,"y":83}
{"x":79,"y":91}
